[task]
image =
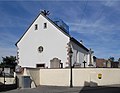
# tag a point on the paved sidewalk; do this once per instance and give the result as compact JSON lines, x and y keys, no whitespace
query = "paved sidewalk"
{"x":47,"y":89}
{"x":54,"y":89}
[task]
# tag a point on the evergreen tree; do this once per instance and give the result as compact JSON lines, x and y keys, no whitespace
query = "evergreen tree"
{"x":8,"y":61}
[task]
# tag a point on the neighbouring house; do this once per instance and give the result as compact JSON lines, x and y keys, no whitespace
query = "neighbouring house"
{"x":100,"y":63}
{"x":46,"y":43}
{"x":115,"y":64}
{"x":119,"y":64}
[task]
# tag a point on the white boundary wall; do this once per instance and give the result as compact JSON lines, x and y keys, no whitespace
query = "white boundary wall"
{"x":8,"y":80}
{"x":54,"y":77}
{"x":81,"y":76}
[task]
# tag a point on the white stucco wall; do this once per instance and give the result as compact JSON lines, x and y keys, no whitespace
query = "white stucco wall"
{"x":8,"y":80}
{"x":92,"y":61}
{"x":81,"y":76}
{"x":53,"y":41}
{"x":58,"y":77}
{"x":81,"y":56}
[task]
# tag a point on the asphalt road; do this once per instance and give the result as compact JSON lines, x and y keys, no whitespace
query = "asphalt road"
{"x":53,"y":89}
{"x":100,"y":90}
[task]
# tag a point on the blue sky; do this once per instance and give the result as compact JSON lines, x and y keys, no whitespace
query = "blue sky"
{"x":97,"y":23}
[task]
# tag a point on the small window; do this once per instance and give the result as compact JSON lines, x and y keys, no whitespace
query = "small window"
{"x":36,"y":26}
{"x":40,"y":65}
{"x":40,"y":49}
{"x":45,"y":25}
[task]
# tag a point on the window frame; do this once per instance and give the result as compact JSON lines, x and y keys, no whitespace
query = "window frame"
{"x":36,"y":26}
{"x":45,"y":25}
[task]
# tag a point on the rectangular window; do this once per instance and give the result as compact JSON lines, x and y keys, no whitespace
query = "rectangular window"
{"x":36,"y":26}
{"x":40,"y":65}
{"x":45,"y":25}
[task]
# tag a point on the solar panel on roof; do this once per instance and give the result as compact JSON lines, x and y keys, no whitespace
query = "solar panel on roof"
{"x":61,"y":24}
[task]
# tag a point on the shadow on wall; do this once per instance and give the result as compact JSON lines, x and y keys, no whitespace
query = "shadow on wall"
{"x":1,"y":83}
{"x":91,"y":84}
{"x":7,"y":87}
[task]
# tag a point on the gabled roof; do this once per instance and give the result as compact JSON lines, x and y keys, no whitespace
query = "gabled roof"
{"x":61,"y":29}
{"x":78,"y":43}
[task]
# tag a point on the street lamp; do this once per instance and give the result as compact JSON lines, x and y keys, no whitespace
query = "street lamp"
{"x":70,"y":55}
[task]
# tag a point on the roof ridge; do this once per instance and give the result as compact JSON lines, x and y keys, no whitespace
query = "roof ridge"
{"x":62,"y":30}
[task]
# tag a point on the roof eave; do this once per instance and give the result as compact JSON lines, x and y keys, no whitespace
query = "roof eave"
{"x":27,"y":29}
{"x":78,"y":43}
{"x":49,"y":21}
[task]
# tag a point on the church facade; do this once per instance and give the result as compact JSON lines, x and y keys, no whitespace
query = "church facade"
{"x":45,"y":44}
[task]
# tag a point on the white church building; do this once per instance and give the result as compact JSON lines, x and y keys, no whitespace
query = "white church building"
{"x":46,"y":43}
